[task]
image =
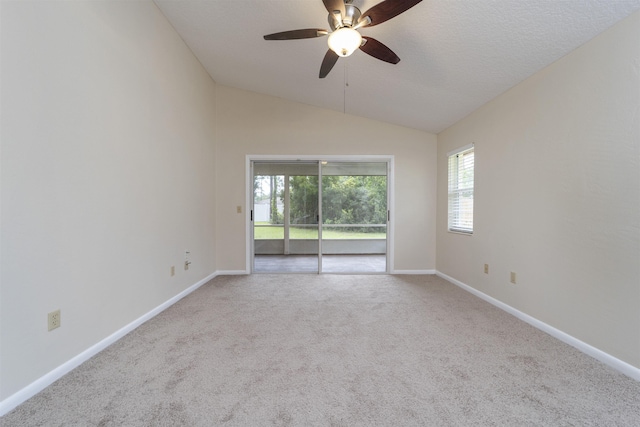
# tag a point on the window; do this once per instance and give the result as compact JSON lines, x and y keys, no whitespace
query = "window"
{"x":461,"y":190}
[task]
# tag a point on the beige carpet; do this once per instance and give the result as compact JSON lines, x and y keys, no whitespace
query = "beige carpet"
{"x":308,"y":350}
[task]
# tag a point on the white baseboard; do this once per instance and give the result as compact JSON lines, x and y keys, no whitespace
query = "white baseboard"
{"x":413,"y":272}
{"x":232,"y":272}
{"x":607,"y":359}
{"x":41,"y":383}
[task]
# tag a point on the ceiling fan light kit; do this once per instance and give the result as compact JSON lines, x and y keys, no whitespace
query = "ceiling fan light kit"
{"x":345,"y":20}
{"x":344,"y":41}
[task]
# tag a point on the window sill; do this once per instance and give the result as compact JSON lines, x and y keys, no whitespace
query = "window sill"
{"x":462,"y":233}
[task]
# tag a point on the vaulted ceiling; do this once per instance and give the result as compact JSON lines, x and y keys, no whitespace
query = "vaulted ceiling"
{"x":456,"y":55}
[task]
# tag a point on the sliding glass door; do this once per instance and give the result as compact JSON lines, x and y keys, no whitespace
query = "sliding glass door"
{"x":285,"y":217}
{"x":319,"y":216}
{"x":354,"y":217}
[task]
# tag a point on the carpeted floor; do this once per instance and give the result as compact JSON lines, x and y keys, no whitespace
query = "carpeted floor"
{"x":309,"y":350}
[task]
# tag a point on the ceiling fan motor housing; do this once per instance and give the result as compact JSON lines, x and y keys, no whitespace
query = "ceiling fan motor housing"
{"x":352,"y":15}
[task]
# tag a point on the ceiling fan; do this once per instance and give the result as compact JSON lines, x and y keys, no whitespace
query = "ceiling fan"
{"x":345,"y":20}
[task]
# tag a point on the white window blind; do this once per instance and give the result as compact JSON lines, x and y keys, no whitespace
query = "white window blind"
{"x":461,"y":190}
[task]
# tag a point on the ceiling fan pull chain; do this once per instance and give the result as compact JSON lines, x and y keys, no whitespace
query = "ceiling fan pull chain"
{"x":344,"y":88}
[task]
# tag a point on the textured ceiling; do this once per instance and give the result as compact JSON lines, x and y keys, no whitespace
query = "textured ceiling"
{"x":456,"y":55}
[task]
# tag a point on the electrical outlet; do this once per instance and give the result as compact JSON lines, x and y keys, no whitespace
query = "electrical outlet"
{"x":239,"y":209}
{"x":513,"y":277}
{"x":173,"y":270}
{"x":486,"y":269}
{"x":54,"y":319}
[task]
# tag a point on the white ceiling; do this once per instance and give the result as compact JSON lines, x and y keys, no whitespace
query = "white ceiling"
{"x":456,"y":55}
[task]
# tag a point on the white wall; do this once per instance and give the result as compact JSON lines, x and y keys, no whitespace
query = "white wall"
{"x":108,"y":175}
{"x":558,"y":195}
{"x":251,"y":123}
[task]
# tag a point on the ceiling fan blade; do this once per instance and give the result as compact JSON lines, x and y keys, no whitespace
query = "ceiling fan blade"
{"x":307,"y":33}
{"x":378,"y":50}
{"x":386,"y":10}
{"x":330,"y":59}
{"x":332,"y":5}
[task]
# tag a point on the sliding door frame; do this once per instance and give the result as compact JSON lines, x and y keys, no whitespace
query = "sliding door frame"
{"x":250,"y":158}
